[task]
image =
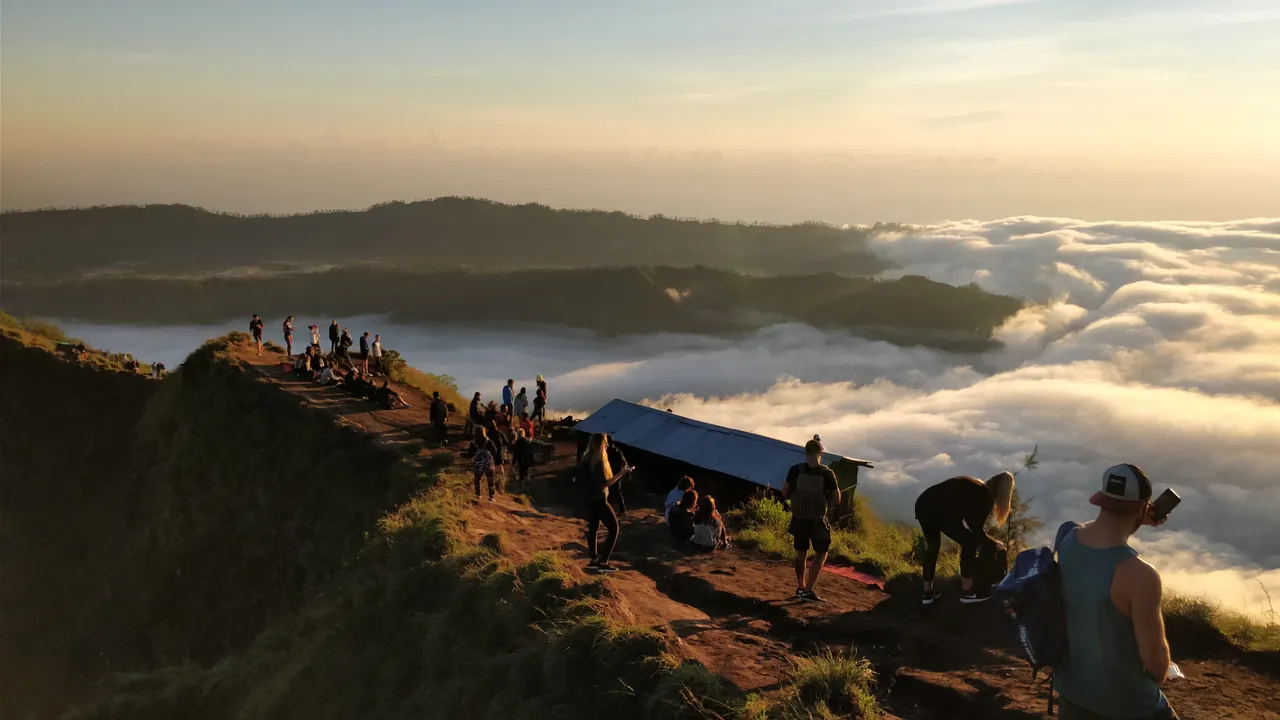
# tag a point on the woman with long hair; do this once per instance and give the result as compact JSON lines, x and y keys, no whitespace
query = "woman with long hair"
{"x":484,"y":458}
{"x":960,"y":508}
{"x":709,"y":533}
{"x":599,"y":477}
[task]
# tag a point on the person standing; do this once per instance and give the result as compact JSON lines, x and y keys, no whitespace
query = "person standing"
{"x":440,"y":418}
{"x":483,"y":461}
{"x":813,"y":494}
{"x":599,"y":477}
{"x":315,"y":337}
{"x":540,"y":405}
{"x":344,"y":344}
{"x":288,"y":335}
{"x":1117,"y":653}
{"x":476,"y":414}
{"x":508,"y":397}
{"x":364,"y":353}
{"x":521,"y":404}
{"x":522,"y":451}
{"x":335,"y":337}
{"x":377,"y":354}
{"x":959,"y":508}
{"x":255,"y":327}
{"x":618,"y":460}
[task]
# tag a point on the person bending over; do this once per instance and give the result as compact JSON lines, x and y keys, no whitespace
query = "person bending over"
{"x":814,"y":494}
{"x":959,"y":508}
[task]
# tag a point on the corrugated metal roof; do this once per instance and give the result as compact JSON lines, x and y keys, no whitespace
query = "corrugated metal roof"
{"x":755,"y":458}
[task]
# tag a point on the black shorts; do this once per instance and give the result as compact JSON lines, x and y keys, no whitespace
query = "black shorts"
{"x":364,"y":354}
{"x":257,"y":337}
{"x":811,"y":532}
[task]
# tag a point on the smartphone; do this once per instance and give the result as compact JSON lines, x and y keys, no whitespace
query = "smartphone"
{"x":1165,"y":504}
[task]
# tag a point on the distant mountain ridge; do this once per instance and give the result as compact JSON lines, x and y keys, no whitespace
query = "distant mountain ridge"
{"x":614,"y":301}
{"x":440,"y":234}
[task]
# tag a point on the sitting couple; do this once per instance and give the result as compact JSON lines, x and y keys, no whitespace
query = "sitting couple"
{"x":693,"y":522}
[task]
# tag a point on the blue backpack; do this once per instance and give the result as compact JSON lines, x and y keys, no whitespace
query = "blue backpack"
{"x":1031,"y":595}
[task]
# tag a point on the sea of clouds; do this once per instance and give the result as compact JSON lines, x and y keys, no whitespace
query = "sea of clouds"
{"x":1151,"y":343}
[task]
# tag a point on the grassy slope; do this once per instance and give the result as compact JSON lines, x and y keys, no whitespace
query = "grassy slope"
{"x":276,"y":564}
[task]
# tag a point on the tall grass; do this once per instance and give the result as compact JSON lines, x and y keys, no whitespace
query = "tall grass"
{"x":1197,"y":615}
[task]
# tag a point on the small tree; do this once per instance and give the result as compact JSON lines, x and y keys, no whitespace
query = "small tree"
{"x":1021,"y":524}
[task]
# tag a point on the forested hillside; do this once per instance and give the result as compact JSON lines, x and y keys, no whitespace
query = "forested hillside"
{"x":444,"y":233}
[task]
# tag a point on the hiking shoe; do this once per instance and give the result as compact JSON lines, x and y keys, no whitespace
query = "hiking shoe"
{"x":810,"y":596}
{"x":930,"y":597}
{"x":799,"y":593}
{"x":972,"y":597}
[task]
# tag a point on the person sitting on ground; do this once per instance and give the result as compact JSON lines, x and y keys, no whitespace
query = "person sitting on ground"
{"x":616,"y":459}
{"x":1117,"y":655}
{"x":326,"y":376}
{"x":520,"y":406}
{"x":440,"y":418}
{"x":388,"y":398}
{"x":813,"y":494}
{"x":522,"y":454}
{"x":302,"y":366}
{"x":482,"y":452}
{"x":680,"y":520}
{"x":959,"y":508}
{"x":709,"y":533}
{"x":598,"y":475}
{"x":673,"y":498}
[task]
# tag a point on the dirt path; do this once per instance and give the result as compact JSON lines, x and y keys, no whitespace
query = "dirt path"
{"x":733,"y":610}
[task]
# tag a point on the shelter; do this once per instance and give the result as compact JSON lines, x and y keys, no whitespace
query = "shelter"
{"x":724,"y":451}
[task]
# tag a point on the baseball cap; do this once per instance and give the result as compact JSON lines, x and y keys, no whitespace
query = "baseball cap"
{"x":1122,"y":484}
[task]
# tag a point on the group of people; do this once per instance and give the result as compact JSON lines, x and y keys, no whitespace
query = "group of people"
{"x":340,"y":343}
{"x":1117,"y":654}
{"x":502,"y":432}
{"x":694,"y":522}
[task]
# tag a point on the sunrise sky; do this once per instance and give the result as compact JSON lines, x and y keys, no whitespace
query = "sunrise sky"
{"x":912,"y":110}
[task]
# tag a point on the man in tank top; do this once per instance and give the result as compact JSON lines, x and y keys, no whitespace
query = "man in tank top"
{"x":1117,"y":654}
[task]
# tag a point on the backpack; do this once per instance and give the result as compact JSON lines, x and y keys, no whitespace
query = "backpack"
{"x":1031,"y":595}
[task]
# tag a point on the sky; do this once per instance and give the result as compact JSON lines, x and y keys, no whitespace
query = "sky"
{"x":848,"y":111}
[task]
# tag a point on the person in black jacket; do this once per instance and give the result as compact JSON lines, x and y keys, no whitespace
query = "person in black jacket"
{"x":255,"y":327}
{"x":680,"y":521}
{"x":483,"y":452}
{"x":522,"y":452}
{"x":440,"y":418}
{"x":477,"y":412}
{"x":335,"y":335}
{"x":618,"y":460}
{"x":959,"y":508}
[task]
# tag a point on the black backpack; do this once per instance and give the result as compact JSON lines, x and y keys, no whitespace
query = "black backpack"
{"x":1031,"y":595}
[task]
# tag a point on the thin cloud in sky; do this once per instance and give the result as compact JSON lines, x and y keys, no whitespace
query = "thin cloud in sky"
{"x":971,"y":118}
{"x":934,"y":7}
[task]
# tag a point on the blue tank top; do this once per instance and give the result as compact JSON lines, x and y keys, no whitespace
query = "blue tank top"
{"x":1103,"y":671}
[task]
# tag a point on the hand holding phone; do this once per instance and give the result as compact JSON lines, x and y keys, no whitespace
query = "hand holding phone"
{"x":1160,"y":509}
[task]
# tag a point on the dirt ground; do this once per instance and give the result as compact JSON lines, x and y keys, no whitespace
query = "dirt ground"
{"x":734,"y":610}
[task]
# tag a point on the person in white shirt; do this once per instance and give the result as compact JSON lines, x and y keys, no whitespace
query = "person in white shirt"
{"x":377,"y":353}
{"x":673,"y":497}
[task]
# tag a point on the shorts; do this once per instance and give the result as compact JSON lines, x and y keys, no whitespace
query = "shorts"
{"x":364,"y":354}
{"x":811,"y":532}
{"x":257,"y":335}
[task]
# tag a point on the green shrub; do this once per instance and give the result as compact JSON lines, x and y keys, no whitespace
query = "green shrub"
{"x":838,"y":683}
{"x":1200,"y":617}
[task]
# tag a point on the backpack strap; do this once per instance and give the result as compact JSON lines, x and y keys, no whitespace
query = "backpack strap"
{"x":1064,"y":530}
